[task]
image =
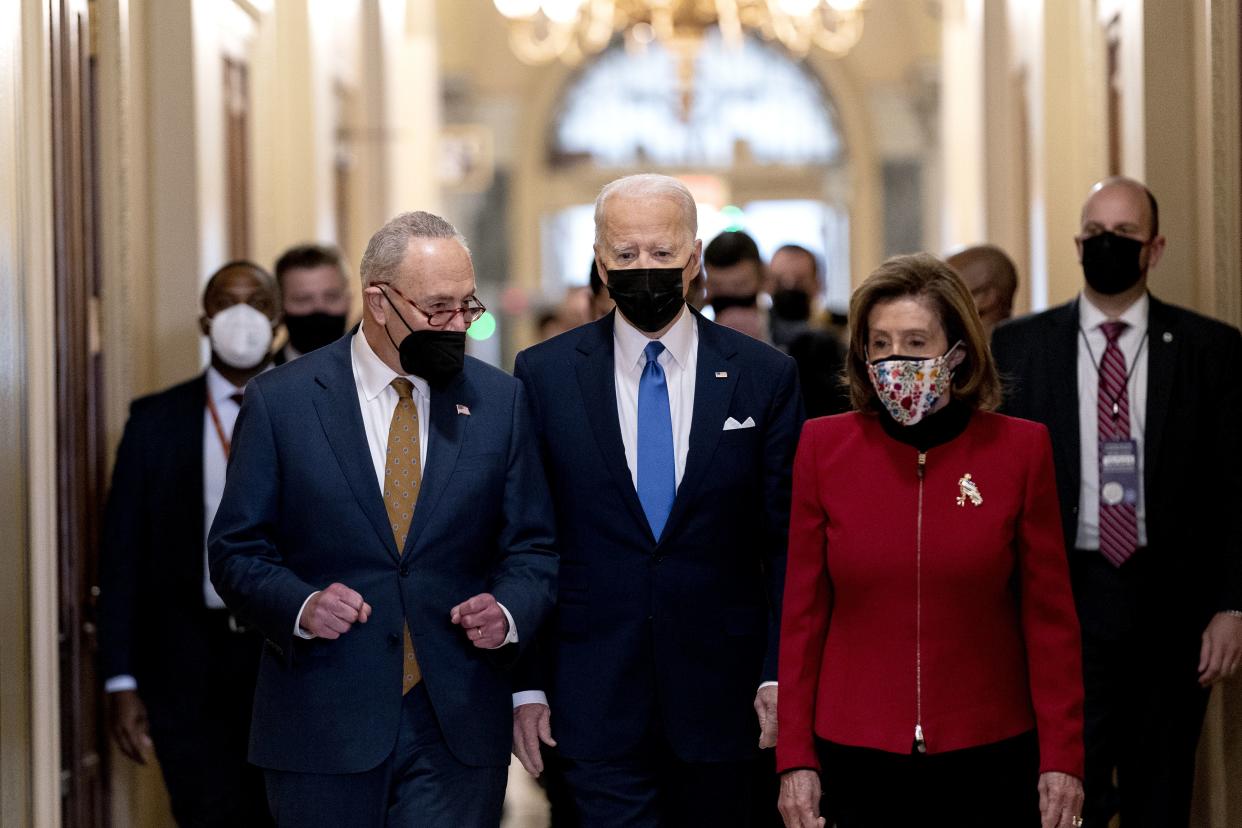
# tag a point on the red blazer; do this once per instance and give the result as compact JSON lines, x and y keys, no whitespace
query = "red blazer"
{"x":995,"y":649}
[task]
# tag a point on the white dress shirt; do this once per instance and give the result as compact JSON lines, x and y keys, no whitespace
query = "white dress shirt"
{"x":377,"y":400}
{"x":1135,"y":350}
{"x":215,"y":462}
{"x":680,"y":360}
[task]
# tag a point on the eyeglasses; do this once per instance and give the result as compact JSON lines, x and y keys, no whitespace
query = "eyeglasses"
{"x":470,"y":311}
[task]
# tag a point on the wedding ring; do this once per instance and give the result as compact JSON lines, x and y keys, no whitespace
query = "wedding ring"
{"x":1076,"y":822}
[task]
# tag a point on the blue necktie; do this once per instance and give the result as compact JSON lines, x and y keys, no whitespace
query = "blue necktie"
{"x":657,"y":475}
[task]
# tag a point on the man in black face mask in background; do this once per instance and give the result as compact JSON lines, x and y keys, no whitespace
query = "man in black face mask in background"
{"x":668,"y":441}
{"x":735,"y":276}
{"x":314,"y":297}
{"x":1143,"y":415}
{"x":386,"y":526}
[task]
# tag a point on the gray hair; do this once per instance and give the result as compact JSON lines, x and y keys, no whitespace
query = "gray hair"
{"x":648,"y":185}
{"x":387,"y":248}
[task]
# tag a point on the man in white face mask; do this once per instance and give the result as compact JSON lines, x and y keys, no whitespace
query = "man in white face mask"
{"x":179,"y":669}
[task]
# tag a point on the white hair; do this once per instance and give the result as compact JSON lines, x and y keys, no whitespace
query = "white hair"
{"x":388,"y":247}
{"x":648,"y":185}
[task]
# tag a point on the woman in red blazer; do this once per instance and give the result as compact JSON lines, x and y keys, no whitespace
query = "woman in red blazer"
{"x":930,"y":667}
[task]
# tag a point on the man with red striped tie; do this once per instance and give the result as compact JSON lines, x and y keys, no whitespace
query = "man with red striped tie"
{"x":1142,"y":402}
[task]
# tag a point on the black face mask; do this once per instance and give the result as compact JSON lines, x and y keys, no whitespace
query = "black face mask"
{"x":649,"y":297}
{"x":1110,"y":263}
{"x":791,"y":305}
{"x":435,"y":355}
{"x":720,"y":304}
{"x":314,"y":330}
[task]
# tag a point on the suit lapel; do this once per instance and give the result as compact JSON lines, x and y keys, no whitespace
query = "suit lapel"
{"x":1162,"y":346}
{"x":712,"y":394}
{"x":445,"y":433}
{"x":187,"y":443}
{"x":597,"y":382}
{"x":1062,"y":361}
{"x":336,"y":403}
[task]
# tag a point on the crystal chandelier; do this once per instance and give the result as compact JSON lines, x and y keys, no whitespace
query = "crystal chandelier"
{"x":570,"y":30}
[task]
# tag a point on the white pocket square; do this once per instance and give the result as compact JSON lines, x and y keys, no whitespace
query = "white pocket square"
{"x":731,"y":423}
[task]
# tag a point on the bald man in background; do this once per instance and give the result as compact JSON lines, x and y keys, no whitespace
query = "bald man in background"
{"x":992,"y":278}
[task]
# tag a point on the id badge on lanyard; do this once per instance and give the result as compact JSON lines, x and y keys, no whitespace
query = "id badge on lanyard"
{"x":1119,"y":472}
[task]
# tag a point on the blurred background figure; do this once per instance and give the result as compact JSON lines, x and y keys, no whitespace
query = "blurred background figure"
{"x":734,"y":282}
{"x":795,"y":287}
{"x":573,"y":310}
{"x":314,"y":295}
{"x":992,"y":278}
{"x":180,"y":668}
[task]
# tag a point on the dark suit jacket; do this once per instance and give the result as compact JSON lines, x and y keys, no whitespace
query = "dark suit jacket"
{"x":151,"y":569}
{"x":1192,"y":457}
{"x":303,"y":509}
{"x":682,"y":631}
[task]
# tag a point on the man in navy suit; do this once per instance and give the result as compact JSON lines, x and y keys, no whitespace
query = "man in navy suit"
{"x":668,"y":442}
{"x":179,"y":670}
{"x":386,"y":525}
{"x":1144,"y":422}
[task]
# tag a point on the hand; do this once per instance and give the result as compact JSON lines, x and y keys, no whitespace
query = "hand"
{"x":128,"y":720}
{"x":765,"y":707}
{"x":483,"y":620}
{"x":532,"y":724}
{"x":1060,"y":799}
{"x":799,"y":799}
{"x":1221,"y":652}
{"x":332,"y":611}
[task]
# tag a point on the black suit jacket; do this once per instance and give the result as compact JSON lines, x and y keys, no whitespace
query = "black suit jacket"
{"x":151,"y":571}
{"x":1192,"y":456}
{"x":682,"y":631}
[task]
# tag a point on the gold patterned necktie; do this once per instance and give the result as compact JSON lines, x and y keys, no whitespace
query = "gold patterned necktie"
{"x":403,"y":476}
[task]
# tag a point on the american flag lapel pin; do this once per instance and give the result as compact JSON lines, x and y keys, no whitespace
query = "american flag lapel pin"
{"x":722,"y":374}
{"x":463,"y":409}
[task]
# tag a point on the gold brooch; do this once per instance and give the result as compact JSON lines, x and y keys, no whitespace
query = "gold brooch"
{"x":967,"y":490}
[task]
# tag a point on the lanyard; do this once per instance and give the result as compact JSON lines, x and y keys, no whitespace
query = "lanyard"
{"x":1115,"y":407}
{"x":215,"y":419}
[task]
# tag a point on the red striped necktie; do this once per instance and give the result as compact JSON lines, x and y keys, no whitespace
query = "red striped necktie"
{"x":1119,"y":521}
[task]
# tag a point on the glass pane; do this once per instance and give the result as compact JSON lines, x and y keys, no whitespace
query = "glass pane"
{"x":628,"y":109}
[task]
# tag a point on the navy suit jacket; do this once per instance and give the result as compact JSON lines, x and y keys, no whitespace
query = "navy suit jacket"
{"x":1192,"y":453}
{"x":302,"y":509}
{"x":151,"y":572}
{"x":683,"y":631}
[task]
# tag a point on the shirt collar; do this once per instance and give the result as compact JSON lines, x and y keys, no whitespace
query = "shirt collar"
{"x":218,"y":388}
{"x":373,"y":374}
{"x":1090,"y":317}
{"x":630,"y":342}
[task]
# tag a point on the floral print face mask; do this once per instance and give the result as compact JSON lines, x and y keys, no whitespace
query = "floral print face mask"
{"x":908,"y":387}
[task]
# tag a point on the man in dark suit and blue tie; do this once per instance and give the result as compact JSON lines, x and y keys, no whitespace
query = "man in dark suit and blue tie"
{"x":1142,"y":406}
{"x":668,"y":442}
{"x":386,"y":525}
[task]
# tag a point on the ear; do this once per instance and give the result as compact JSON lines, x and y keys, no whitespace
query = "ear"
{"x":599,"y":264}
{"x":204,"y":325}
{"x":1155,"y":251}
{"x":1078,"y":246}
{"x":374,"y":304}
{"x":957,"y":357}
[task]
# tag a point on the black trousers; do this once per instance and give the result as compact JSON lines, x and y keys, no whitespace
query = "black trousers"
{"x":201,"y":732}
{"x":1144,"y":706}
{"x":988,"y":786}
{"x":653,"y":788}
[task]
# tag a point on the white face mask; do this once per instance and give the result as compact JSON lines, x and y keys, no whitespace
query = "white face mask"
{"x":241,"y":336}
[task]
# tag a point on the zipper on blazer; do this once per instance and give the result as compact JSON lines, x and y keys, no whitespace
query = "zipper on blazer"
{"x":919,"y":744}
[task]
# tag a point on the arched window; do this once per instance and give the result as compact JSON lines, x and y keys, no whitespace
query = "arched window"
{"x":755,"y":123}
{"x":629,"y":109}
